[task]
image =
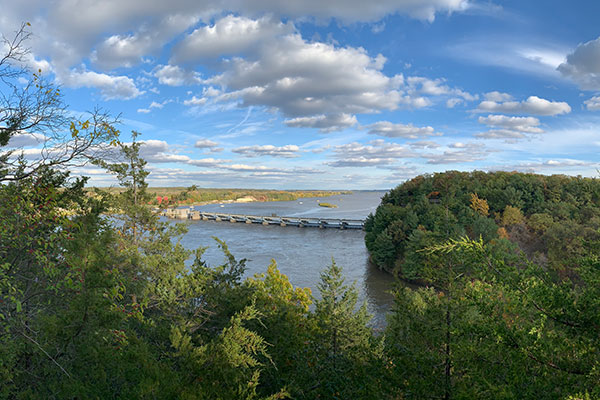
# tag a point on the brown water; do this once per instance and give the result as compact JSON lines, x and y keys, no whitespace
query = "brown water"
{"x":301,"y":253}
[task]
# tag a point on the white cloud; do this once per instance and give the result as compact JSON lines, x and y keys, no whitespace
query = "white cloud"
{"x":593,"y":104}
{"x":389,"y":129}
{"x":111,"y":87}
{"x":310,"y":79}
{"x":453,"y":102}
{"x":262,"y":170}
{"x":207,"y":162}
{"x":174,"y":75}
{"x":583,"y":65}
{"x":26,"y":140}
{"x":195,"y":101}
{"x":231,"y":35}
{"x":509,"y":127}
{"x":466,"y":153}
{"x":376,"y":153}
{"x":507,"y":134}
{"x":356,"y":10}
{"x":497,"y":96}
{"x":547,"y":166}
{"x":320,"y":85}
{"x":205,"y":144}
{"x":287,"y":151}
{"x":533,"y":105}
{"x":424,"y":144}
{"x":325,"y":123}
{"x":454,"y":153}
{"x":159,"y":151}
{"x":436,"y":87}
{"x":152,"y":105}
{"x":129,"y":50}
{"x":68,"y":30}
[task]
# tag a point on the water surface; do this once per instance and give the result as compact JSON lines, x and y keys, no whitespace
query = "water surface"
{"x":300,"y":253}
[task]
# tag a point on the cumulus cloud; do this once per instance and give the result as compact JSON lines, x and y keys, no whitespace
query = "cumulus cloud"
{"x":376,"y":153}
{"x":287,"y":151}
{"x":389,"y":129}
{"x":207,"y":162}
{"x":552,"y":166}
{"x":583,"y":65}
{"x":205,"y":144}
{"x":26,"y":140}
{"x":71,"y":29}
{"x":305,"y":79}
{"x":129,"y":50}
{"x":265,"y":171}
{"x":453,"y":102}
{"x":509,"y":127}
{"x":460,"y":153}
{"x":356,"y":10}
{"x":231,"y":35}
{"x":325,"y":123}
{"x":159,"y":151}
{"x":195,"y":101}
{"x":424,"y":144}
{"x":593,"y":104}
{"x":533,"y":105}
{"x":209,"y":145}
{"x":174,"y":75}
{"x":111,"y":87}
{"x":436,"y":87}
{"x":497,"y":96}
{"x":321,"y":85}
{"x":152,"y":105}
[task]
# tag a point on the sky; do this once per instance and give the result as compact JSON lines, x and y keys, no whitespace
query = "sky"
{"x":327,"y":94}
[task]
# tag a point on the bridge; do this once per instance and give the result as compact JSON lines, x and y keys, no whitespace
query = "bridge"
{"x":309,"y":222}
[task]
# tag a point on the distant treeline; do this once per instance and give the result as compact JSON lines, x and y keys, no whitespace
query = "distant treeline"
{"x":194,"y":195}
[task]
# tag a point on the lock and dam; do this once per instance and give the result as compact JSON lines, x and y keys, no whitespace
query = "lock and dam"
{"x":308,"y":222}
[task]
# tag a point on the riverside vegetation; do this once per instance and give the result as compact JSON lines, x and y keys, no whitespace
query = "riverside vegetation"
{"x":327,"y":205}
{"x":199,"y":196}
{"x":101,"y":308}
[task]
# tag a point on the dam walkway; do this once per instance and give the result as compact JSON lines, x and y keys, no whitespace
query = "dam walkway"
{"x":308,"y":222}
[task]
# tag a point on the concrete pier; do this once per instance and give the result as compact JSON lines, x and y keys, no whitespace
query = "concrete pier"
{"x":309,"y":222}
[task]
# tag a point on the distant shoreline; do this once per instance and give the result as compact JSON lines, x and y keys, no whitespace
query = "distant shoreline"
{"x":194,"y":196}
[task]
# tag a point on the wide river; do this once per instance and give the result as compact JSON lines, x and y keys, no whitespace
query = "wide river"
{"x":300,"y":253}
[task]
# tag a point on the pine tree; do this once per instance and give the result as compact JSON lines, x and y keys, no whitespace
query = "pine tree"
{"x":343,"y":345}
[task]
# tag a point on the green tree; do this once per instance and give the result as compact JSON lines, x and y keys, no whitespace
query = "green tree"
{"x":346,"y":356}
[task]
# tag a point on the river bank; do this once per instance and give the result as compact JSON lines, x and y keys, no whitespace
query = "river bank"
{"x":194,"y":196}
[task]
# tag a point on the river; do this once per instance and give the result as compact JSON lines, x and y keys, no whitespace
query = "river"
{"x":301,"y":253}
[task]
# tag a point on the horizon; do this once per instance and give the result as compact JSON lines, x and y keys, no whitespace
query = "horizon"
{"x":338,"y":94}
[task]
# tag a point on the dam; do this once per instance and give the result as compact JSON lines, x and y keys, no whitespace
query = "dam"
{"x":301,"y":222}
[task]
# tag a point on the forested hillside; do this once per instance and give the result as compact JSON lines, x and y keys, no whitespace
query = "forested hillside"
{"x":547,"y":217}
{"x":509,"y":269}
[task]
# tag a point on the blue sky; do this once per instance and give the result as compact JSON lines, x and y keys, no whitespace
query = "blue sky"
{"x":338,"y":94}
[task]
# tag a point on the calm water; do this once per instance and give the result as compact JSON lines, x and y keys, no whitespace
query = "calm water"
{"x":300,"y":253}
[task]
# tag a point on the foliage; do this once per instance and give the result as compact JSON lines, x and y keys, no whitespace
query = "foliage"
{"x":327,"y":205}
{"x":544,"y":215}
